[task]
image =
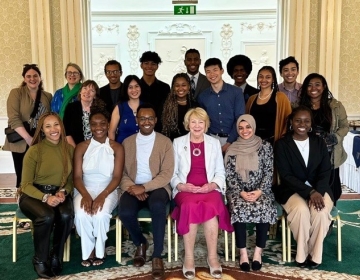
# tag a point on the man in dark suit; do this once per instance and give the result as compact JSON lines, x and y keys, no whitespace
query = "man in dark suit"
{"x":110,"y":93}
{"x":239,"y":68}
{"x":199,"y":82}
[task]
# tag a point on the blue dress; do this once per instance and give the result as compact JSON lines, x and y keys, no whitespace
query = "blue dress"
{"x":127,"y":125}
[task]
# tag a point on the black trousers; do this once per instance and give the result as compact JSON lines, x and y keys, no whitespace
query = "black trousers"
{"x":335,"y":184}
{"x":18,"y":164}
{"x":46,"y":219}
{"x":261,"y":234}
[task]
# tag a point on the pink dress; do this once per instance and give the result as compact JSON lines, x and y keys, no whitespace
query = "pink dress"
{"x":197,"y":208}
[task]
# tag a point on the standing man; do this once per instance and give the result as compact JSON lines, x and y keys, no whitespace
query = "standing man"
{"x":198,"y":81}
{"x":153,"y":91}
{"x":239,"y":68}
{"x":110,"y":93}
{"x":223,"y":102}
{"x":289,"y":70}
{"x":145,"y":183}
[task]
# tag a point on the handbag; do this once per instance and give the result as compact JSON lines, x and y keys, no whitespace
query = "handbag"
{"x":12,"y":135}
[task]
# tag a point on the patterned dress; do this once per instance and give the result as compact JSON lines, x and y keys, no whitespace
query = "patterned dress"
{"x":264,"y":209}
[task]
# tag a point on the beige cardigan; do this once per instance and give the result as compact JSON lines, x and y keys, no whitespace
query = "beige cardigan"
{"x":161,"y":164}
{"x":19,"y":108}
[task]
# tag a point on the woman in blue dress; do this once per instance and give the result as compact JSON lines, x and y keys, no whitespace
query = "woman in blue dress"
{"x":123,"y":122}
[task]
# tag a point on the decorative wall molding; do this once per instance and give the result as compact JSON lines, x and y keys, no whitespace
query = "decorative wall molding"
{"x":260,"y":26}
{"x":99,"y":28}
{"x":180,"y":28}
{"x":133,"y":43}
{"x":226,"y":40}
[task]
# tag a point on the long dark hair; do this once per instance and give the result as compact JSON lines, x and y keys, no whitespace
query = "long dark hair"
{"x":275,"y":86}
{"x":326,"y":96}
{"x":26,"y":68}
{"x":124,"y":91}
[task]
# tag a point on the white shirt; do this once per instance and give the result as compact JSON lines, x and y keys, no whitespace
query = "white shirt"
{"x":304,"y":149}
{"x":144,"y":147}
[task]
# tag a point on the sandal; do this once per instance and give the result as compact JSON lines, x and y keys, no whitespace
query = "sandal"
{"x":24,"y":225}
{"x":98,"y":261}
{"x":88,"y":262}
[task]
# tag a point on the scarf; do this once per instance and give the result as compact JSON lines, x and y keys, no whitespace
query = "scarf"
{"x":68,"y":96}
{"x":245,"y":150}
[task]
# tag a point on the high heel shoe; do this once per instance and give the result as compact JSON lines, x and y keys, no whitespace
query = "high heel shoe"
{"x":215,"y":272}
{"x":188,"y":273}
{"x":42,"y":269}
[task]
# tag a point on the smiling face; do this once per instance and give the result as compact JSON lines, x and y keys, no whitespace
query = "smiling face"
{"x":289,"y":73}
{"x":146,"y":120}
{"x":99,"y":126}
{"x":265,"y":79}
{"x":301,"y":124}
{"x":32,"y":79}
{"x":52,"y":129}
{"x":315,"y":89}
{"x":72,"y":75}
{"x":245,"y":131}
{"x":239,"y":75}
{"x":192,"y":63}
{"x":87,"y":93}
{"x":113,"y":73}
{"x":134,"y":90}
{"x":149,"y":68}
{"x":181,"y":88}
{"x":214,"y":74}
{"x":197,"y":127}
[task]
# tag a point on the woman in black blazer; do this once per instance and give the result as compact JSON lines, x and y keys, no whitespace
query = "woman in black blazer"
{"x":302,"y":161}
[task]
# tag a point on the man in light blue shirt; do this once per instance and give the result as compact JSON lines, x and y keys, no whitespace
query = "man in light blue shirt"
{"x":223,"y":102}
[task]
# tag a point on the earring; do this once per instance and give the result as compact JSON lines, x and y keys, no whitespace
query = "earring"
{"x":310,"y":129}
{"x":290,"y":127}
{"x":272,"y":85}
{"x":42,"y":134}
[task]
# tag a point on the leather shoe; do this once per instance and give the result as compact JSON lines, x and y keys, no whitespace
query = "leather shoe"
{"x":42,"y":269}
{"x":312,"y":265}
{"x":158,"y":271}
{"x":245,"y":266}
{"x":140,"y":254}
{"x":301,"y":265}
{"x":55,"y":264}
{"x":255,"y":266}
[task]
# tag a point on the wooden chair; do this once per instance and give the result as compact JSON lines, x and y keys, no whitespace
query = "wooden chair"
{"x":143,"y":216}
{"x":19,"y":218}
{"x":335,"y":217}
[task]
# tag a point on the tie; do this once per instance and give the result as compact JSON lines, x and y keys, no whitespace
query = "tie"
{"x":193,"y":86}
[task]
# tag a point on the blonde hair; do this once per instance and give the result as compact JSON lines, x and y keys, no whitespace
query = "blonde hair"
{"x":198,"y":113}
{"x":39,"y":137}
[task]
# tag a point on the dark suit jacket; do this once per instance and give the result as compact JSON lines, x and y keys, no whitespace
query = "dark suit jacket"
{"x":202,"y":84}
{"x":293,"y":172}
{"x":249,"y":90}
{"x":73,"y":121}
{"x":105,"y":95}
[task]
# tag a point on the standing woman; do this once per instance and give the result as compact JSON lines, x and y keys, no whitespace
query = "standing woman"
{"x":98,"y":167}
{"x":330,"y":123}
{"x":123,"y":122}
{"x":70,"y":91}
{"x":269,"y":107}
{"x":177,"y":103}
{"x":46,"y":193}
{"x":76,"y":118}
{"x":25,"y":103}
{"x":249,"y":175}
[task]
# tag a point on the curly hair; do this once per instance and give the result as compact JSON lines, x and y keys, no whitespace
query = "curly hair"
{"x":38,"y":139}
{"x":170,"y":116}
{"x":99,"y":107}
{"x":239,"y":60}
{"x":326,"y":95}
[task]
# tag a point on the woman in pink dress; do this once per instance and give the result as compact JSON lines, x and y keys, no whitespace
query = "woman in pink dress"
{"x":198,"y":184}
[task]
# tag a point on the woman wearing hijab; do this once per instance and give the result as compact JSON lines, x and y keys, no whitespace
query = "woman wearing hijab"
{"x":249,"y":175}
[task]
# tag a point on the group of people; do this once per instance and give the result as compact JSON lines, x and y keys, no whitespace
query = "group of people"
{"x":198,"y":143}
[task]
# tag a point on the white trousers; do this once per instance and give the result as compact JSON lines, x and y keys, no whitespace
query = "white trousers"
{"x":93,"y":228}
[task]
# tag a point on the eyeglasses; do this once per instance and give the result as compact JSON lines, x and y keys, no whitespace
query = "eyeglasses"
{"x":69,"y":73}
{"x":114,"y":72}
{"x":143,"y":119}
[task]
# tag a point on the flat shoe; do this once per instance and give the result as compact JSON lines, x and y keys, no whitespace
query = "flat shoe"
{"x":245,"y":266}
{"x":158,"y":271}
{"x":87,"y":262}
{"x":98,"y":261}
{"x":256,"y":265}
{"x":301,"y":265}
{"x":188,"y":273}
{"x":55,"y":264}
{"x":312,"y":265}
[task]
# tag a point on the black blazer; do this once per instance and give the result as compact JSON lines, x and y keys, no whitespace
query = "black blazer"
{"x":249,"y":90}
{"x":293,"y":172}
{"x":105,"y":95}
{"x":73,"y":121}
{"x":202,"y":84}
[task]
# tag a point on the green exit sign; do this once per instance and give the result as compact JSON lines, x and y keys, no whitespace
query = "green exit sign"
{"x":185,"y":10}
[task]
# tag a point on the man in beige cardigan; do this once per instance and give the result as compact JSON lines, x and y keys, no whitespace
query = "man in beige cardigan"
{"x":149,"y":166}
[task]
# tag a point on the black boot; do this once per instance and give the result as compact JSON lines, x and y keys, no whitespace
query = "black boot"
{"x":56,"y":265}
{"x":42,"y":269}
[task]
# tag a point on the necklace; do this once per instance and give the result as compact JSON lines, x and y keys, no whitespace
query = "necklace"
{"x":181,"y":102}
{"x":196,"y":151}
{"x":313,"y":105}
{"x":263,"y":98}
{"x":302,"y":146}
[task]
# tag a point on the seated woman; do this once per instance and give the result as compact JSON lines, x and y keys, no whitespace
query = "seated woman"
{"x":98,"y":166}
{"x":249,"y":175}
{"x":46,"y":187}
{"x":198,"y":184}
{"x":304,"y":191}
{"x":177,"y":103}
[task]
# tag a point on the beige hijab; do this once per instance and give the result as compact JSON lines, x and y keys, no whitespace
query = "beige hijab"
{"x":246,"y":151}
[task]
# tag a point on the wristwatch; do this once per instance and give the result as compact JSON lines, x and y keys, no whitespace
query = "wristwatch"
{"x":45,"y":197}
